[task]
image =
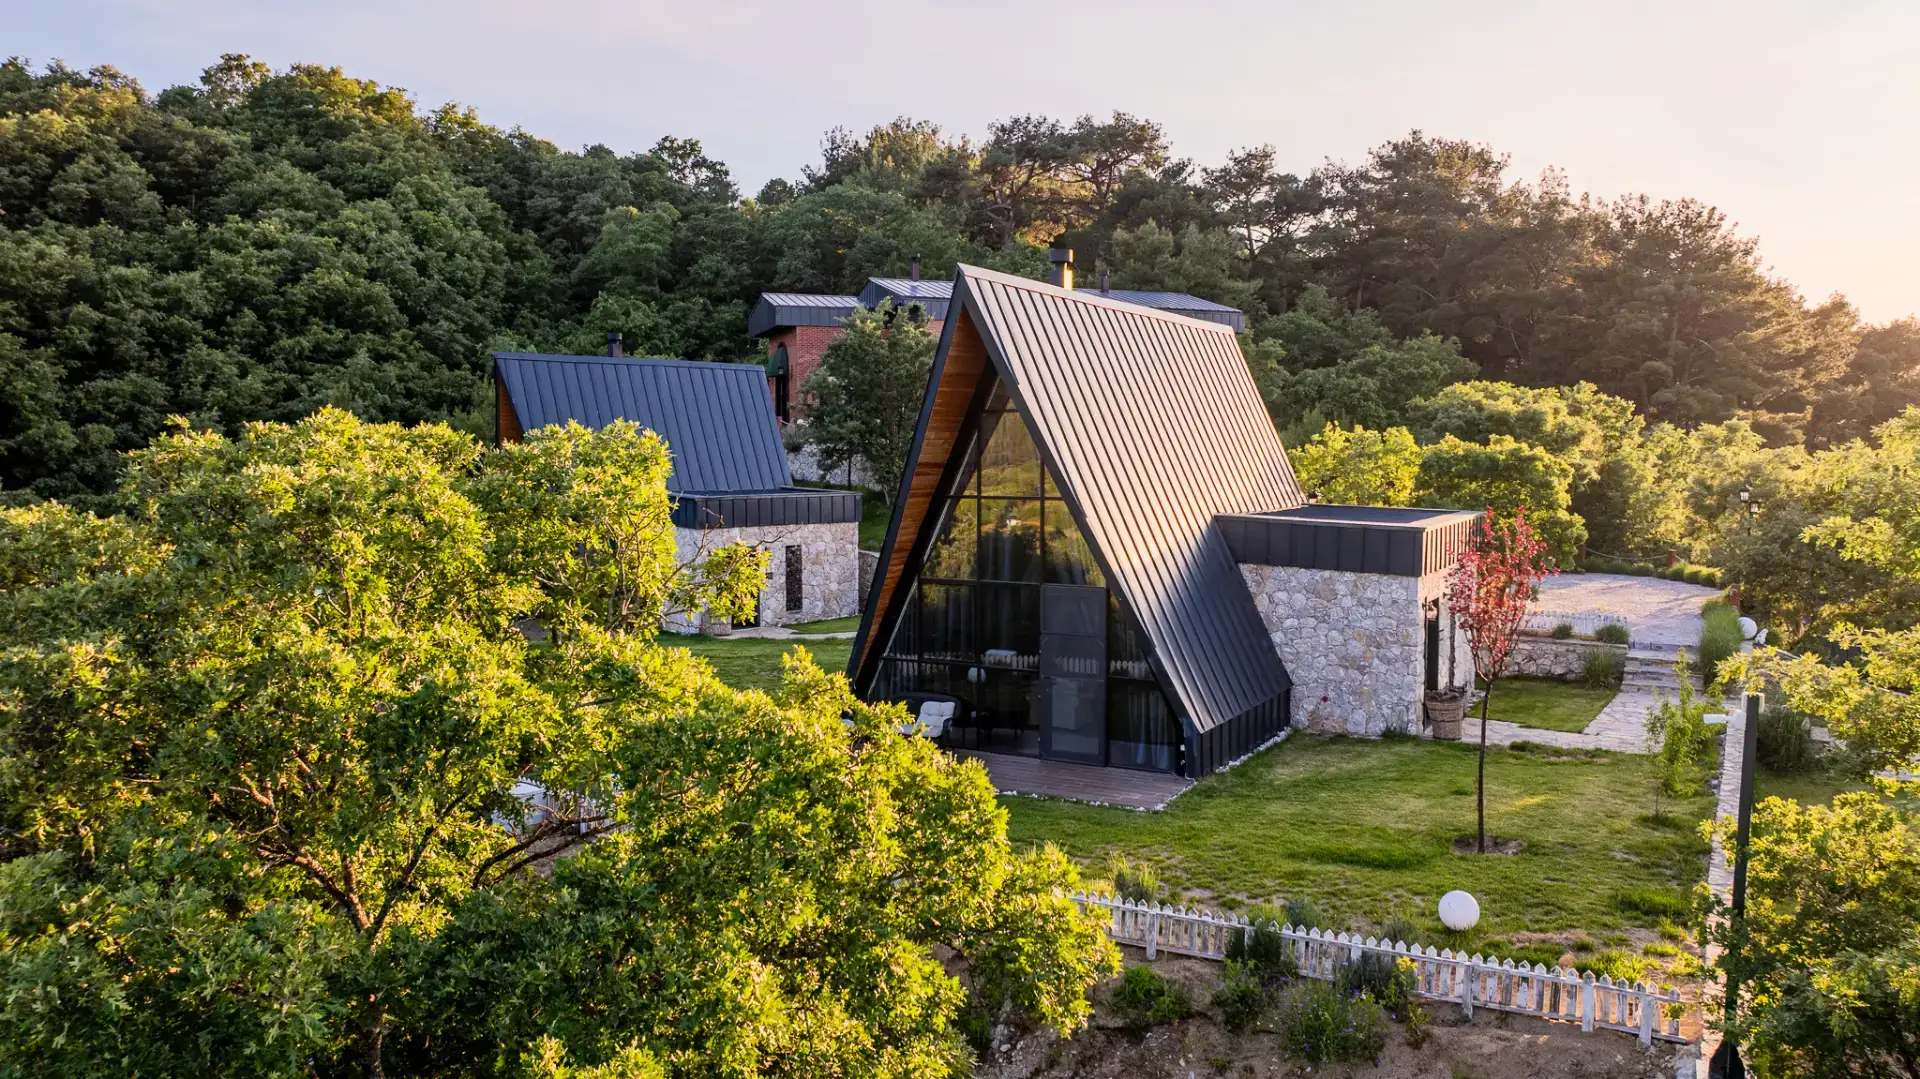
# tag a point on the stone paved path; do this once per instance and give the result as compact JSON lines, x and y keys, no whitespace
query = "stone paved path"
{"x":1659,"y":612}
{"x":1620,"y":726}
{"x":1662,"y":616}
{"x":782,"y":633}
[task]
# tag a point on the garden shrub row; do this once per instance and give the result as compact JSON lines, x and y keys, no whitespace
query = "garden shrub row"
{"x":1679,"y":571}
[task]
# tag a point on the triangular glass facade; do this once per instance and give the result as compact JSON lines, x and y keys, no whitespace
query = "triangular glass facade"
{"x":1010,"y":616}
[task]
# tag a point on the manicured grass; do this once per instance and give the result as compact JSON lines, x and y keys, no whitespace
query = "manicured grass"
{"x":875,"y":515}
{"x":1365,"y":830}
{"x":1547,"y":703}
{"x":1813,"y":788}
{"x":849,"y":624}
{"x":754,"y":663}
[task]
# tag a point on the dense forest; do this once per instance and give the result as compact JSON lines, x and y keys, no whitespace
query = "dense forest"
{"x":262,"y":244}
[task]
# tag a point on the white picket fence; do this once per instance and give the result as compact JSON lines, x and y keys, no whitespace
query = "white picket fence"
{"x":1542,"y":621}
{"x":1566,"y":996}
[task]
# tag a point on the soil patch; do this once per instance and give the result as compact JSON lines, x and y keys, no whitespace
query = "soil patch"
{"x":1496,"y":844}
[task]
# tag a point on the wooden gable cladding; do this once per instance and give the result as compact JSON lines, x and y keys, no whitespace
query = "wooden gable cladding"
{"x":956,"y":378}
{"x":506,"y":423}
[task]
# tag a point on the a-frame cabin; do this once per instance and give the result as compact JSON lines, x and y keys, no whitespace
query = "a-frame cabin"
{"x":1054,"y":562}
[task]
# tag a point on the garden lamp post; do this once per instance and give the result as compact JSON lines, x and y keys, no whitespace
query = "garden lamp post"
{"x":1750,"y":505}
{"x":1726,"y":1062}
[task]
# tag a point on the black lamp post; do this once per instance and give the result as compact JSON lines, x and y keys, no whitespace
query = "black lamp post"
{"x":1750,"y":504}
{"x":1726,"y":1062}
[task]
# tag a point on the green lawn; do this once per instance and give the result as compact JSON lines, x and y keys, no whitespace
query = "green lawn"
{"x":754,"y":663}
{"x":1365,"y":829}
{"x":1813,"y":788}
{"x":1547,"y":703}
{"x":849,"y":624}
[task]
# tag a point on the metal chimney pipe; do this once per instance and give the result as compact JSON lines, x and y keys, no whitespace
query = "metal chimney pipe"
{"x":1106,"y":278}
{"x":913,"y":273}
{"x":613,"y":344}
{"x":1062,"y":272}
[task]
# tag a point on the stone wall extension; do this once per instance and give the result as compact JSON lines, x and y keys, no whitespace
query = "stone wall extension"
{"x":830,"y":569}
{"x":1545,"y":657}
{"x":1353,"y":643}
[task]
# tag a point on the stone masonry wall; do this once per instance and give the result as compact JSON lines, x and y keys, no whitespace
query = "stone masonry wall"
{"x":830,"y":569}
{"x":1433,"y":588}
{"x":1351,"y":641}
{"x":1544,"y":657}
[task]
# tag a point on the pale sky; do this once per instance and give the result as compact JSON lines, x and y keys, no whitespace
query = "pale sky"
{"x":1799,"y":118}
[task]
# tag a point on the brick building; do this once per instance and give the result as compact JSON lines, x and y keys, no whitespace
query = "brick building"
{"x":798,"y":326}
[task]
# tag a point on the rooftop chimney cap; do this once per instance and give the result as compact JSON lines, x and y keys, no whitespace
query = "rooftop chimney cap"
{"x":1060,"y":254}
{"x":913,"y":272}
{"x":613,"y":344}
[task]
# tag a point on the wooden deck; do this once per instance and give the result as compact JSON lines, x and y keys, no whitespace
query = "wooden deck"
{"x":1078,"y":782}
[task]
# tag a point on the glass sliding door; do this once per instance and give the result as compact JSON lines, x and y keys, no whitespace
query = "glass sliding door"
{"x":1073,"y":673}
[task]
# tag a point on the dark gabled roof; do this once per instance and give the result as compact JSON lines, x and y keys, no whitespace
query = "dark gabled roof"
{"x":1181,"y":303}
{"x":1153,"y":427}
{"x":717,"y":418}
{"x":779,"y":310}
{"x":931,"y":295}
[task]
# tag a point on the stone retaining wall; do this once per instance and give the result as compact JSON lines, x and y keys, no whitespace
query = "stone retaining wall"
{"x":829,"y":573}
{"x":1545,"y":657}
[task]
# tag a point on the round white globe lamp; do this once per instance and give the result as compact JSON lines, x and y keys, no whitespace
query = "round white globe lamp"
{"x":1748,"y":627}
{"x":1459,"y":911}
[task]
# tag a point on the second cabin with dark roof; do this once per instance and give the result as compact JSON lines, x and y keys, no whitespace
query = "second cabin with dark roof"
{"x":798,"y":327}
{"x":1099,"y":552}
{"x":730,"y":478}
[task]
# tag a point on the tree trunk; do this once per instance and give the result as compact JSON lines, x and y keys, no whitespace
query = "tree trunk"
{"x":1480,"y":779}
{"x":372,"y":1034}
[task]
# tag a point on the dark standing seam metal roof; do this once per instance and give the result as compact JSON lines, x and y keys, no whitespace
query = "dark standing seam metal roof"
{"x":1183,"y":304}
{"x":1154,"y":427}
{"x":779,"y":310}
{"x":932,"y":295}
{"x":717,"y":418}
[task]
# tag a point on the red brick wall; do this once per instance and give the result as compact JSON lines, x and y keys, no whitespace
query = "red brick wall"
{"x":805,"y":346}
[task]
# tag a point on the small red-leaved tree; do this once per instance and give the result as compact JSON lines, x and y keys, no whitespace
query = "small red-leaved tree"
{"x":1489,"y":591}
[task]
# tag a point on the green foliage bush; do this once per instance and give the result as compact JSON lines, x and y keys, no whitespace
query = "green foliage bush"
{"x":1786,"y":739}
{"x":1241,"y":997}
{"x":1719,"y":638}
{"x":1613,"y":633}
{"x":1603,"y":669}
{"x":1304,"y":913}
{"x":1388,"y":980}
{"x":1563,"y":631}
{"x":1146,"y":1000}
{"x":1319,"y":1023}
{"x":1133,"y":880}
{"x":1264,"y":952}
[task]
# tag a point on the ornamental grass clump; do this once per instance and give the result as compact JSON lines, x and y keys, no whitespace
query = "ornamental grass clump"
{"x":1265,"y":952}
{"x":1146,"y":1000}
{"x":1720,"y":638}
{"x":1318,"y":1023}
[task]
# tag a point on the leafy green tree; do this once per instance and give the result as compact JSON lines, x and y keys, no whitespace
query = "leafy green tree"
{"x":1677,"y":739}
{"x":1359,"y":467}
{"x":1504,"y":477}
{"x":863,"y":401}
{"x":352,"y":749}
